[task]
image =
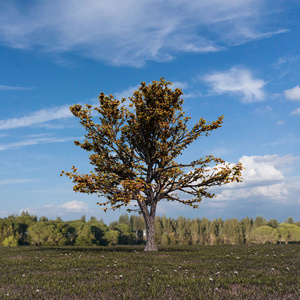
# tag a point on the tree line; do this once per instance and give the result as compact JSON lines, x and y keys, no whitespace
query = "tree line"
{"x":27,"y":229}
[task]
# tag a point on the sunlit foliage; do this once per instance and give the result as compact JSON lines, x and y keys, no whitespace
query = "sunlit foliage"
{"x":133,"y":151}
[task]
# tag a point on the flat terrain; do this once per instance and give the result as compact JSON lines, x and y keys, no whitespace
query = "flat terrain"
{"x":206,"y":272}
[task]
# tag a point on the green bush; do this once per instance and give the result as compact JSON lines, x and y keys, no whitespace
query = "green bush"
{"x":264,"y":234}
{"x":10,"y":241}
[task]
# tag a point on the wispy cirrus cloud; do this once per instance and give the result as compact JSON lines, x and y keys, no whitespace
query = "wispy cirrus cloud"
{"x":14,"y":88}
{"x":237,"y":81}
{"x":38,"y":117}
{"x":16,"y":181}
{"x":33,"y":141}
{"x":133,"y":32}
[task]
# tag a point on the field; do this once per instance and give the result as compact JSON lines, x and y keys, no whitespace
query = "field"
{"x":206,"y":272}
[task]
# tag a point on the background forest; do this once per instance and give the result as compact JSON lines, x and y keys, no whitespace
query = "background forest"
{"x":29,"y":230}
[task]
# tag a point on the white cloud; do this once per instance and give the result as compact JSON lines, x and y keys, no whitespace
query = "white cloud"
{"x":34,"y":141}
{"x":38,"y":117}
{"x":293,"y":94}
{"x":16,"y":181}
{"x":261,"y":169}
{"x":285,"y":140}
{"x":179,"y":85}
{"x":274,"y":192}
{"x":295,"y":112}
{"x":75,"y":206}
{"x":285,"y":60}
{"x":13,"y":88}
{"x":132,"y":32}
{"x":239,"y":82}
{"x":58,"y":210}
{"x":126,"y":93}
{"x":265,"y":177}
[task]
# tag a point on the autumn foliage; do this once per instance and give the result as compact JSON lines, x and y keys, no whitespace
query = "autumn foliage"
{"x":133,"y":150}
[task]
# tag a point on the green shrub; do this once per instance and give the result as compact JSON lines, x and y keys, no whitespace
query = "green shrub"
{"x":10,"y":241}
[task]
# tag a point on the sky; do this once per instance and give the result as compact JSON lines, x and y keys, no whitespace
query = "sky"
{"x":240,"y":59}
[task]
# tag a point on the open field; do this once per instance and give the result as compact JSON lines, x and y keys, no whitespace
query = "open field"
{"x":206,"y":272}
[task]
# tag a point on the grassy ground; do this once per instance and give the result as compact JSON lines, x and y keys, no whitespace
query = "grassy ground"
{"x":206,"y":272}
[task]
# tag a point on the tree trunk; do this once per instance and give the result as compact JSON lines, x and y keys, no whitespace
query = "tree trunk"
{"x":150,"y":229}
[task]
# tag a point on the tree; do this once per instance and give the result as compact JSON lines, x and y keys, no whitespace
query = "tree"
{"x":264,"y":234}
{"x":10,"y":241}
{"x":289,"y":232}
{"x":124,"y":219}
{"x":289,"y":220}
{"x":134,"y":151}
{"x":273,"y":223}
{"x":46,"y":234}
{"x":126,"y":235}
{"x":259,"y":221}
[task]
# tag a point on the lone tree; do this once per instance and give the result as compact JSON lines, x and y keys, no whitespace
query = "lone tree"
{"x":133,"y":152}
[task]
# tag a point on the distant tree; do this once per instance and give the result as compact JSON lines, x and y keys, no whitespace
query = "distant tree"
{"x":158,"y":230}
{"x":137,"y":223}
{"x":133,"y":153}
{"x":124,"y":219}
{"x":126,"y":235}
{"x":246,"y":229}
{"x":232,"y":232}
{"x":113,"y":224}
{"x":204,"y":231}
{"x":214,"y":232}
{"x":46,"y":234}
{"x":10,"y":241}
{"x":7,"y":228}
{"x":264,"y":234}
{"x":195,"y":231}
{"x":21,"y":226}
{"x":165,"y":240}
{"x":183,"y":231}
{"x":273,"y":223}
{"x":259,"y":221}
{"x":112,"y":237}
{"x":43,"y":219}
{"x":91,"y":233}
{"x":289,"y":220}
{"x":289,"y":232}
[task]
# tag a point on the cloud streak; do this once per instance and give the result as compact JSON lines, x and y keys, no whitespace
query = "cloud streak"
{"x":34,"y":141}
{"x":38,"y":117}
{"x":16,"y":181}
{"x":133,"y":32}
{"x":14,"y":88}
{"x":58,"y":210}
{"x":295,"y":112}
{"x":237,"y":81}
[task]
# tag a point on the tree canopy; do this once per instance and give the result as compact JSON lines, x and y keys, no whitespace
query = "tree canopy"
{"x":134,"y":150}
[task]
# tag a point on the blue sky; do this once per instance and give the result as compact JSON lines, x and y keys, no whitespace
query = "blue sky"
{"x":240,"y":59}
